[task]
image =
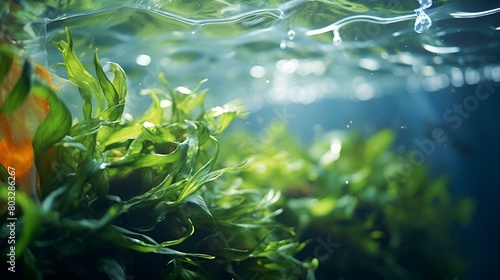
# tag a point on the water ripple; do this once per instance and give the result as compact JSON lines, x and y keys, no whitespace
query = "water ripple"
{"x":225,"y":40}
{"x":357,"y":18}
{"x":275,"y":13}
{"x":475,"y":14}
{"x":422,"y":22}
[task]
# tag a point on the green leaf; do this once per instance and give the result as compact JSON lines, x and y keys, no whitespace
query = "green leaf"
{"x":88,"y":127}
{"x":143,"y":243}
{"x":86,"y":83}
{"x":119,"y":81}
{"x":92,"y":225}
{"x":31,"y":219}
{"x":115,"y":101}
{"x":121,"y":133}
{"x":323,"y":207}
{"x":6,"y":61}
{"x":221,"y":117}
{"x":200,"y":202}
{"x":202,"y":176}
{"x":4,"y":174}
{"x":112,"y":268}
{"x":147,"y":159}
{"x":55,"y":126}
{"x":181,"y":273}
{"x":377,"y":144}
{"x":154,"y":114}
{"x":20,"y":90}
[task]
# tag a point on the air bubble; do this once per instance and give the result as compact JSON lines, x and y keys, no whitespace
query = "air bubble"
{"x":337,"y":40}
{"x":425,"y":4}
{"x":291,"y":35}
{"x":283,"y":45}
{"x":423,"y":22}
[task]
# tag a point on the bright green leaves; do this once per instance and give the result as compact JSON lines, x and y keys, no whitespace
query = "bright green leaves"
{"x":108,"y":88}
{"x":91,"y":88}
{"x":159,"y":166}
{"x":144,"y":185}
{"x":86,"y":83}
{"x":202,"y":176}
{"x":221,"y":116}
{"x":323,"y":207}
{"x":348,"y":190}
{"x":188,"y":104}
{"x":115,"y":92}
{"x":148,"y":158}
{"x":185,"y":102}
{"x":378,"y":144}
{"x":97,"y":122}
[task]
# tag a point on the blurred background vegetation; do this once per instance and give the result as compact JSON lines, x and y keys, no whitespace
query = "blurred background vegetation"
{"x":366,"y":216}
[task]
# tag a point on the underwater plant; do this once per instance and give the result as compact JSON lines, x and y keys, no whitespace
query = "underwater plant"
{"x":143,"y":198}
{"x":171,"y":194}
{"x":345,"y":194}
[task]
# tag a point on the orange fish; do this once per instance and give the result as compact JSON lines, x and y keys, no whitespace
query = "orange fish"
{"x":17,"y":128}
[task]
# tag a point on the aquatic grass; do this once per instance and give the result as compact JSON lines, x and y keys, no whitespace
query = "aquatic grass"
{"x":113,"y":189}
{"x":341,"y":188}
{"x":170,"y":194}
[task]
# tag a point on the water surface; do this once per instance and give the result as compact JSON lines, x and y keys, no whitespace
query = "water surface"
{"x":295,"y":51}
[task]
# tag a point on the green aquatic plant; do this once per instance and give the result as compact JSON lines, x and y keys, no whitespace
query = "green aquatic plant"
{"x":346,"y":194}
{"x":141,"y":198}
{"x":170,"y":194}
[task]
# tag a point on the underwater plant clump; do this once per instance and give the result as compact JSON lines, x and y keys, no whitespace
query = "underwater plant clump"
{"x":142,"y":198}
{"x":171,"y":194}
{"x":349,"y":195}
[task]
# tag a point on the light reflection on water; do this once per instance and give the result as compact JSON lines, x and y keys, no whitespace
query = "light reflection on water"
{"x":280,"y":51}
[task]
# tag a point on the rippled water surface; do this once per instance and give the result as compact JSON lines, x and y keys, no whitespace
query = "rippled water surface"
{"x":276,"y":51}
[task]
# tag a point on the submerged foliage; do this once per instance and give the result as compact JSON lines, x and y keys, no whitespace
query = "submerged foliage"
{"x":141,"y":197}
{"x":366,"y":213}
{"x":171,"y":195}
